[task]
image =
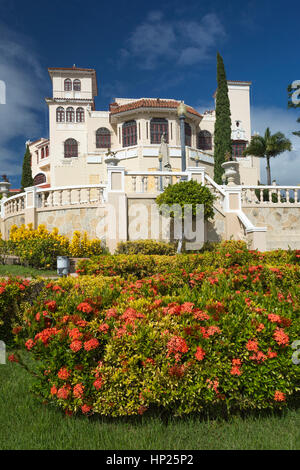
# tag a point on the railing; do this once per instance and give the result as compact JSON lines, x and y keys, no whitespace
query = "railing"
{"x":71,"y":195}
{"x":215,"y":189}
{"x":264,"y":195}
{"x":14,"y":205}
{"x":43,"y":198}
{"x":151,"y":181}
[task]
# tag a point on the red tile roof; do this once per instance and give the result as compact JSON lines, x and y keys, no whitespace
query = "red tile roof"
{"x":72,"y":68}
{"x":149,"y":103}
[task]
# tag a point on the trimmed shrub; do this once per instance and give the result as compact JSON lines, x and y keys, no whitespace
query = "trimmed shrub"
{"x":145,"y":247}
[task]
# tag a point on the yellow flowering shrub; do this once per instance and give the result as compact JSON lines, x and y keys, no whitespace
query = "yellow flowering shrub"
{"x":40,"y":247}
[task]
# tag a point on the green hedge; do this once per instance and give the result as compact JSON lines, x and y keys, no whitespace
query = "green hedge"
{"x":145,"y":247}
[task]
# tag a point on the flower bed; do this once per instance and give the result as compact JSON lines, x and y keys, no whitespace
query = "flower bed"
{"x":188,"y":340}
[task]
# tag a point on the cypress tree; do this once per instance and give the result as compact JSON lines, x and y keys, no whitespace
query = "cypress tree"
{"x":26,"y":180}
{"x":222,"y":136}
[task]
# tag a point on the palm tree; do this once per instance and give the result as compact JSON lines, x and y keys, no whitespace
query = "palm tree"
{"x":267,"y":147}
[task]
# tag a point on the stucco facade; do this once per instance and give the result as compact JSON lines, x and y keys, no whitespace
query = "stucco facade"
{"x":72,"y":115}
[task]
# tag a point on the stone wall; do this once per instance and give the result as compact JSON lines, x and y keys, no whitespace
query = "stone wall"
{"x":282,"y":222}
{"x":14,"y":220}
{"x":215,"y":230}
{"x":71,"y":219}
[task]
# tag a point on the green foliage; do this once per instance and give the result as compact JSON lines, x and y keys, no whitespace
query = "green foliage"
{"x":26,"y":179}
{"x":266,"y":196}
{"x":187,"y":192}
{"x":268,"y":146}
{"x":12,"y":293}
{"x":145,"y":247}
{"x":183,"y":341}
{"x":222,"y":134}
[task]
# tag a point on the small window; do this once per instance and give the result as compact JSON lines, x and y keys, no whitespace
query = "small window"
{"x":71,"y":148}
{"x":68,"y":84}
{"x":188,"y":135}
{"x":77,"y":85}
{"x":129,"y":133}
{"x":238,"y":147}
{"x":204,"y":140}
{"x":60,"y":114}
{"x":158,"y":127}
{"x":43,"y":153}
{"x":47,"y":151}
{"x":79,"y":115}
{"x":70,"y":114}
{"x":103,"y":138}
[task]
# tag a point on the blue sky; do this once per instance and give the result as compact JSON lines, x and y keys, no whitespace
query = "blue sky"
{"x":154,"y":49}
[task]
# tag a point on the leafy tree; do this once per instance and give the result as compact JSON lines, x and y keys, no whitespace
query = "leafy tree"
{"x":186,"y":193}
{"x":268,"y":146}
{"x":222,"y":134}
{"x":26,"y":179}
{"x":293,"y":105}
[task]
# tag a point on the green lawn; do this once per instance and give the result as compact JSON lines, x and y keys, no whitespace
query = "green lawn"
{"x":15,"y":270}
{"x":26,"y":424}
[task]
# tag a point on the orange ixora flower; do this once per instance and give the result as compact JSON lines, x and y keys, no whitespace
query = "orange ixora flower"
{"x":91,"y":344}
{"x":76,"y":345}
{"x":63,"y":392}
{"x":98,"y":383}
{"x":86,"y":409}
{"x":53,"y":390}
{"x":281,"y":337}
{"x":252,"y":345}
{"x":279,"y":396}
{"x":236,"y":364}
{"x":63,"y":373}
{"x":84,"y":307}
{"x":13,"y":358}
{"x":200,"y":353}
{"x":29,"y":344}
{"x":78,"y":390}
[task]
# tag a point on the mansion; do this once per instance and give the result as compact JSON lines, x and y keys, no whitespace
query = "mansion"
{"x":81,"y":138}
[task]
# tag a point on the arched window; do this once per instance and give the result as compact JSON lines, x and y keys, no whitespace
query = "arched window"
{"x":77,"y":85}
{"x":103,"y":138}
{"x":204,"y":140}
{"x":158,"y":127}
{"x":188,"y":134}
{"x":129,"y":133}
{"x":68,"y":84}
{"x":70,"y":114}
{"x":79,"y":115}
{"x":71,"y":148}
{"x":60,"y":114}
{"x":40,"y":178}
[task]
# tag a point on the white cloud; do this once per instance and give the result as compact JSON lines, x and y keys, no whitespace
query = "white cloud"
{"x":183,"y":42}
{"x":19,"y":117}
{"x":285,"y":168}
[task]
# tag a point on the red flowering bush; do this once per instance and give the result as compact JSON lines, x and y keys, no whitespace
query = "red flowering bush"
{"x":184,"y":340}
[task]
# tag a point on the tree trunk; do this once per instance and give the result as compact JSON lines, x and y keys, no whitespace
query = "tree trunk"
{"x":268,"y":171}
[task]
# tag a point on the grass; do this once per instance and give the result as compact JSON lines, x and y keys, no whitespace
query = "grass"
{"x":27,"y":424}
{"x":16,"y":270}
